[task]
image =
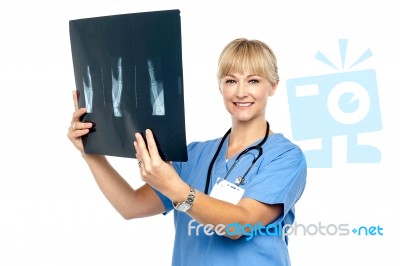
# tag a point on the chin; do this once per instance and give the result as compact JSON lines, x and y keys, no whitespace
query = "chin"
{"x":246,"y":118}
{"x":242,"y":119}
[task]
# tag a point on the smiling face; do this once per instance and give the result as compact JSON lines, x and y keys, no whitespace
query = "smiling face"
{"x":246,"y":95}
{"x":247,"y":76}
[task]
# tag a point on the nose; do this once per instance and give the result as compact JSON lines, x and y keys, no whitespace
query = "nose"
{"x":242,"y":90}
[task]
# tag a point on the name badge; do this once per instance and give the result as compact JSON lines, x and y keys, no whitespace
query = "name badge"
{"x":226,"y":191}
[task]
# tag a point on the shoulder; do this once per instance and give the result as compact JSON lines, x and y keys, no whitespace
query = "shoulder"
{"x":198,"y":152}
{"x":279,"y":147}
{"x":203,"y":144}
{"x":198,"y":148}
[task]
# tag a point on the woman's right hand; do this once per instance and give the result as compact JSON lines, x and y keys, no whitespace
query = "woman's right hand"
{"x":77,"y":129}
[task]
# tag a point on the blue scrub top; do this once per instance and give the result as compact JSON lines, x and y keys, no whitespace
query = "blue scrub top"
{"x":278,"y":177}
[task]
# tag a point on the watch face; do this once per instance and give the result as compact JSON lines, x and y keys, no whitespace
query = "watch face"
{"x":184,"y":207}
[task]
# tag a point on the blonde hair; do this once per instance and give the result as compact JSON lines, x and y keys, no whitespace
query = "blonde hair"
{"x":251,"y":56}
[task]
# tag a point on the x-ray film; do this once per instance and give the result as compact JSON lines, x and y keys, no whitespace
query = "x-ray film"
{"x":128,"y":74}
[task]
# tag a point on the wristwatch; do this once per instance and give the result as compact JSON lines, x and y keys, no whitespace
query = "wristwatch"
{"x":188,"y":203}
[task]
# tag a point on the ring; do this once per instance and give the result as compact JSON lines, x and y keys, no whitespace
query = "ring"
{"x":140,"y":163}
{"x":73,"y":126}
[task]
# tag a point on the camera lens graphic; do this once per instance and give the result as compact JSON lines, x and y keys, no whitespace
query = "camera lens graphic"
{"x":348,"y":102}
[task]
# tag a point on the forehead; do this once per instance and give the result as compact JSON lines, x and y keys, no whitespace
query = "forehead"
{"x":241,"y":75}
{"x":244,"y":67}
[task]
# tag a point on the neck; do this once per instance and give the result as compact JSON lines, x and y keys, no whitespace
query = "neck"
{"x":243,"y":134}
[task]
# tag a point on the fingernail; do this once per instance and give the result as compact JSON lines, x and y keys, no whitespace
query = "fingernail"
{"x":148,"y":131}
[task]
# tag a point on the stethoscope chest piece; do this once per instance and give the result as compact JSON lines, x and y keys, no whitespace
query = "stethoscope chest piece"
{"x":239,"y":181}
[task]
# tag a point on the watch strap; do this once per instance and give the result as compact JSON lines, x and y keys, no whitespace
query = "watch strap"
{"x":188,"y":203}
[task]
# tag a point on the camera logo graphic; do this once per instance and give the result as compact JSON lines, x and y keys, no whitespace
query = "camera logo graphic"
{"x":345,"y":103}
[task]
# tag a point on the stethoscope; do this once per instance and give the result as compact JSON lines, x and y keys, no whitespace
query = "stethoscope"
{"x":240,"y":180}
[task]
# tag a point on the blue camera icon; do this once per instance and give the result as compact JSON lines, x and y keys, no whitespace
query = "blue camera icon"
{"x":325,"y":106}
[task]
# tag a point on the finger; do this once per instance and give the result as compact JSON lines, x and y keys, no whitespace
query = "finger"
{"x":77,"y":114}
{"x":81,"y":126}
{"x":76,"y":125}
{"x":142,"y":149}
{"x":137,"y":151}
{"x":75,"y":98}
{"x":142,"y":169}
{"x":77,"y":134}
{"x":151,"y":144}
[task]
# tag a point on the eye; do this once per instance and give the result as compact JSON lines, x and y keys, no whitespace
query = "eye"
{"x":230,"y":81}
{"x":254,"y":81}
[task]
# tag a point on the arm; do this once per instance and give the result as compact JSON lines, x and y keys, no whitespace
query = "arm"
{"x":206,"y":209}
{"x":130,"y":203}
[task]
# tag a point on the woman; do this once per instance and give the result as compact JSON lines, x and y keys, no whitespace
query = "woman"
{"x":234,"y":194}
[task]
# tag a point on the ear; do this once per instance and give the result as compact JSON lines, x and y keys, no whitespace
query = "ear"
{"x":273,"y":88}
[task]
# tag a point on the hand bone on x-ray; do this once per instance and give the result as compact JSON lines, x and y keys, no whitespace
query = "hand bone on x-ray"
{"x":156,"y":91}
{"x":117,"y":86}
{"x":88,"y":91}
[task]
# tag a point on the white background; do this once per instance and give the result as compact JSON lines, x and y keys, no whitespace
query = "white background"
{"x":51,"y":211}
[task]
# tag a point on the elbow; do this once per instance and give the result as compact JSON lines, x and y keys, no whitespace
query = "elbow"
{"x":237,"y":232}
{"x":128,"y":215}
{"x":233,"y":237}
{"x":233,"y":234}
{"x":247,"y":235}
{"x":132,"y":213}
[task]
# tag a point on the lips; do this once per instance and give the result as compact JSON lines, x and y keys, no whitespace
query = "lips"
{"x":243,"y":104}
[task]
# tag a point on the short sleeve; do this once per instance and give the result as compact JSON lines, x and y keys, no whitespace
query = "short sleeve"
{"x":280,"y":181}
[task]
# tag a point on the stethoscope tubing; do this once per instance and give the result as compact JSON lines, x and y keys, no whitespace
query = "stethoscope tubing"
{"x":258,"y":147}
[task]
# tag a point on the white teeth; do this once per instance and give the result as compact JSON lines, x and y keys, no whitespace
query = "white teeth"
{"x":243,"y":104}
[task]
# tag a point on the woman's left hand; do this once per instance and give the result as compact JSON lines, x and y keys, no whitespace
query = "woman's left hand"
{"x":155,"y":171}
